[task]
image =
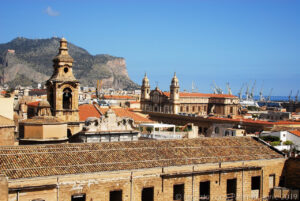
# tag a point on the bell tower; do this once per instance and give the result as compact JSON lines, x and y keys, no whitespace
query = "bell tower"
{"x":174,"y":94}
{"x":145,"y":95}
{"x":62,"y":87}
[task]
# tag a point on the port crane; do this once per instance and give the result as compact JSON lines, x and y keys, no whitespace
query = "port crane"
{"x":252,"y":90}
{"x":290,"y":95}
{"x":296,"y":97}
{"x":269,"y":97}
{"x":240,"y":92}
{"x":228,"y":88}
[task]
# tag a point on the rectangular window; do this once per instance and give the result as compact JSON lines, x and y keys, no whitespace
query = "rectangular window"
{"x":181,"y":109}
{"x":255,"y":187}
{"x":148,"y":194}
{"x":271,"y":181}
{"x":193,"y":109}
{"x":187,"y":108}
{"x":78,"y":197}
{"x":231,"y":110}
{"x":199,"y":108}
{"x":231,"y":190}
{"x":204,"y":191}
{"x":178,"y":192}
{"x":115,"y":195}
{"x":205,"y":108}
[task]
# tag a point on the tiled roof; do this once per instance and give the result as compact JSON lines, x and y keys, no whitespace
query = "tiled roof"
{"x":34,"y":104}
{"x":118,"y":97}
{"x":123,"y":112}
{"x":200,"y":95}
{"x":6,"y":121}
{"x":60,"y":159}
{"x":255,"y":121}
{"x":295,"y":132}
{"x":88,"y":110}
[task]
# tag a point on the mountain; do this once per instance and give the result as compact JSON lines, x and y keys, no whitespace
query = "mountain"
{"x":29,"y":61}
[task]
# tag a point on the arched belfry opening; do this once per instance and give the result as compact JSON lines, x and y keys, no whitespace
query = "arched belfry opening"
{"x":67,"y":98}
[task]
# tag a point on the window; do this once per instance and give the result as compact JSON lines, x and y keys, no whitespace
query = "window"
{"x":193,"y":108}
{"x":271,"y":181}
{"x":205,"y":108}
{"x":148,"y":194}
{"x":255,"y":187}
{"x":115,"y":195}
{"x":199,"y":108}
{"x":78,"y":197}
{"x":204,"y":190}
{"x":67,"y":98}
{"x":187,"y":108}
{"x":231,"y":110}
{"x":231,"y":190}
{"x":178,"y":192}
{"x":217,"y":130}
{"x":66,"y":69}
{"x":181,"y":108}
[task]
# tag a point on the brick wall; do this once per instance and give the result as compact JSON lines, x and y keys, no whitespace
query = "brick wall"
{"x":292,"y":172}
{"x":97,"y":186}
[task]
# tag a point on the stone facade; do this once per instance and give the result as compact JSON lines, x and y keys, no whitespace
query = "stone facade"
{"x":175,"y":102}
{"x":7,"y":131}
{"x":97,"y":187}
{"x":108,"y":128}
{"x":62,"y":87}
{"x":239,"y":167}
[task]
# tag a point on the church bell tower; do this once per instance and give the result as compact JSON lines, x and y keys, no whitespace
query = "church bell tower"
{"x":174,"y":94}
{"x":62,"y":87}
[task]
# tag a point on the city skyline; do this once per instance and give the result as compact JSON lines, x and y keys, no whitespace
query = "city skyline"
{"x":202,"y":41}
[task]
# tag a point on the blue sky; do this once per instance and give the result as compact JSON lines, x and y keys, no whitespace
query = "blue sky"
{"x":235,"y":41}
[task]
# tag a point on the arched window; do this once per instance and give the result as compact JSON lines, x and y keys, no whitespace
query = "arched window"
{"x":67,"y":98}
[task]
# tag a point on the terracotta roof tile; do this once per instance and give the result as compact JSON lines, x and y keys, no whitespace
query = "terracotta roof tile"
{"x":88,"y":110}
{"x":295,"y":132}
{"x":60,"y":159}
{"x":200,"y":95}
{"x":119,"y":97}
{"x":124,"y":112}
{"x":34,"y":104}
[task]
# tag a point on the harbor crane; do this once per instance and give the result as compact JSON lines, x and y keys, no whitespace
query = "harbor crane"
{"x":261,"y":98}
{"x":228,"y":88}
{"x":247,"y":92}
{"x":252,"y":90}
{"x":296,"y":97}
{"x":218,"y":89}
{"x":240,"y":92}
{"x":269,"y":97}
{"x":290,"y":96}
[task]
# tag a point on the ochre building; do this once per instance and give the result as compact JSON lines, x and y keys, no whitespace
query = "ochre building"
{"x":235,"y":168}
{"x":62,"y":89}
{"x":175,"y":102}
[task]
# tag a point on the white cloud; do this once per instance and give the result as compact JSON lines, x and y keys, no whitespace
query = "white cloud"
{"x":51,"y":12}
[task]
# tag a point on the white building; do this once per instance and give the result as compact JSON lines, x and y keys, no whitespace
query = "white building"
{"x":291,"y":135}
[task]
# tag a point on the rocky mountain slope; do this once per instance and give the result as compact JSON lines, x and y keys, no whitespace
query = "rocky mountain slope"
{"x":29,"y":61}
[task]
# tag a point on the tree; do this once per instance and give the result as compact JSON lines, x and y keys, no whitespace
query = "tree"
{"x":288,"y":142}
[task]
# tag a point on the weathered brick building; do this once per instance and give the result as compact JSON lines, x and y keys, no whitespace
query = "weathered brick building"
{"x":175,"y":102}
{"x":236,"y":168}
